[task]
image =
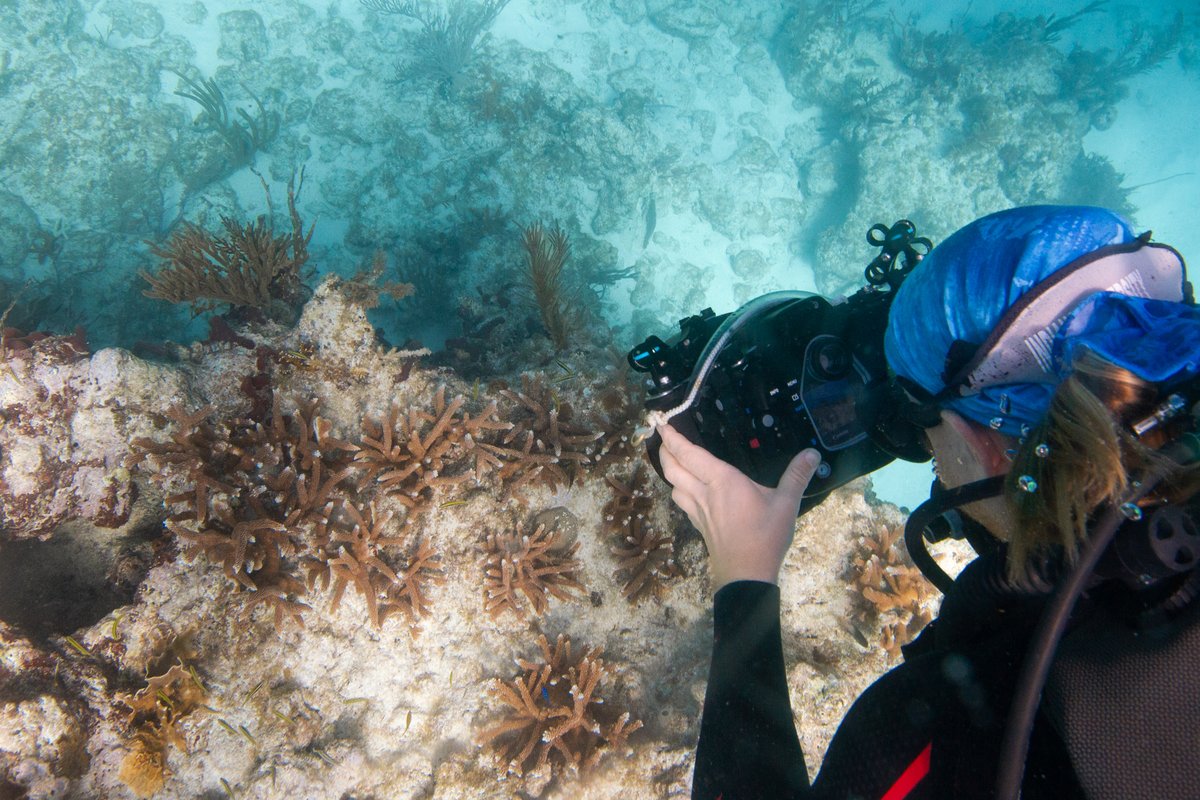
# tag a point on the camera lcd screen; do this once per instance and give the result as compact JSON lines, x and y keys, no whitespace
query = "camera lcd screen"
{"x":832,"y":408}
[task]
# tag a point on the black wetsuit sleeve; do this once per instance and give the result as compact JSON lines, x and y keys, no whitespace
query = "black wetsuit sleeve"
{"x":748,"y":747}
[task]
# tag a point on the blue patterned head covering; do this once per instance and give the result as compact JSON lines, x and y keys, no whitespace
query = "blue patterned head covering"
{"x":967,"y":285}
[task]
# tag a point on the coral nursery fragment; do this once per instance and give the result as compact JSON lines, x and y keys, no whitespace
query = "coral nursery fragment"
{"x":409,"y":455}
{"x":349,"y":550}
{"x":543,"y":445}
{"x":645,"y":559}
{"x":557,"y":718}
{"x":242,"y":493}
{"x":537,"y":565}
{"x":893,"y":592}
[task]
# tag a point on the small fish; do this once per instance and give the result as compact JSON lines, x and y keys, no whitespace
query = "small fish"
{"x":357,"y":700}
{"x":650,"y":215}
{"x":321,"y":754}
{"x":246,"y":733}
{"x":858,"y":635}
{"x":407,"y":721}
{"x":227,"y":726}
{"x":228,"y":789}
{"x":451,"y":677}
{"x":196,"y":678}
{"x":74,"y":643}
{"x":283,"y":716}
{"x":254,"y":691}
{"x":565,"y":368}
{"x":452,"y":503}
{"x":545,"y":694}
{"x":166,"y":701}
{"x":116,"y":620}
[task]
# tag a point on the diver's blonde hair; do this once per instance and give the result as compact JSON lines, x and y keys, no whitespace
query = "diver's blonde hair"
{"x":1092,"y":459}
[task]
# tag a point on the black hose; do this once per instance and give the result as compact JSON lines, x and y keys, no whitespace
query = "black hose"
{"x":925,"y":514}
{"x":1050,"y":630}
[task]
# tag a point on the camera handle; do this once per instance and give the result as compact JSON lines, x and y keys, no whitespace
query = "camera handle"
{"x":899,"y":240}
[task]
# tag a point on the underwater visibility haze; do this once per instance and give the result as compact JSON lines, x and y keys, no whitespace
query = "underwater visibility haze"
{"x":317,"y":472}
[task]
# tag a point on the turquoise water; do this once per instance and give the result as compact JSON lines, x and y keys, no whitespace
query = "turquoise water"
{"x":696,"y":153}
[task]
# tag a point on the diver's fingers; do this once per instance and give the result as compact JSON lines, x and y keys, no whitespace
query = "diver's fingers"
{"x":676,"y":473}
{"x":698,"y":461}
{"x":687,"y":503}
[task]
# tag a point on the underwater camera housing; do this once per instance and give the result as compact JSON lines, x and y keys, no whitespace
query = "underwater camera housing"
{"x":789,"y":371}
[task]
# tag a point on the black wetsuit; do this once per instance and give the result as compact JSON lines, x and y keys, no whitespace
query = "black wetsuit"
{"x":930,"y":728}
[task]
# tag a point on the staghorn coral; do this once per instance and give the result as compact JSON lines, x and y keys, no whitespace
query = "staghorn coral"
{"x":409,"y":456}
{"x":897,"y":596}
{"x":247,"y":490}
{"x":542,"y":445}
{"x":349,"y":549}
{"x":557,"y":719}
{"x":645,"y":559}
{"x":537,"y":565}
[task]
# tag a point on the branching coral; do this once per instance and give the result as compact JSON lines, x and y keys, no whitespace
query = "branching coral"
{"x":267,"y":501}
{"x":537,"y":565}
{"x":645,"y":559}
{"x":410,"y":455}
{"x":897,"y":595}
{"x":349,"y":550}
{"x":557,"y":718}
{"x":247,"y":490}
{"x":542,"y":446}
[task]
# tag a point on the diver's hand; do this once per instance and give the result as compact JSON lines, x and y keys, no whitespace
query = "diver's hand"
{"x":748,"y":527}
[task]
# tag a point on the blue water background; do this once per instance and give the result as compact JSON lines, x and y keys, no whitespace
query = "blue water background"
{"x":567,"y":113}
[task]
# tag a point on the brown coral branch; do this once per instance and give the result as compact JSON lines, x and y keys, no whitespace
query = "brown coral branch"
{"x":536,"y":565}
{"x":897,"y":596}
{"x":645,"y":559}
{"x":557,"y":716}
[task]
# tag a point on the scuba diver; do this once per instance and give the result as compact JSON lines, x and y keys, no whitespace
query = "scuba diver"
{"x":1046,"y":358}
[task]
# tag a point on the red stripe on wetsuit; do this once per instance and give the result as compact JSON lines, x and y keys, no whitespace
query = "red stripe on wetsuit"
{"x":908,"y":780}
{"x":911,"y":776}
